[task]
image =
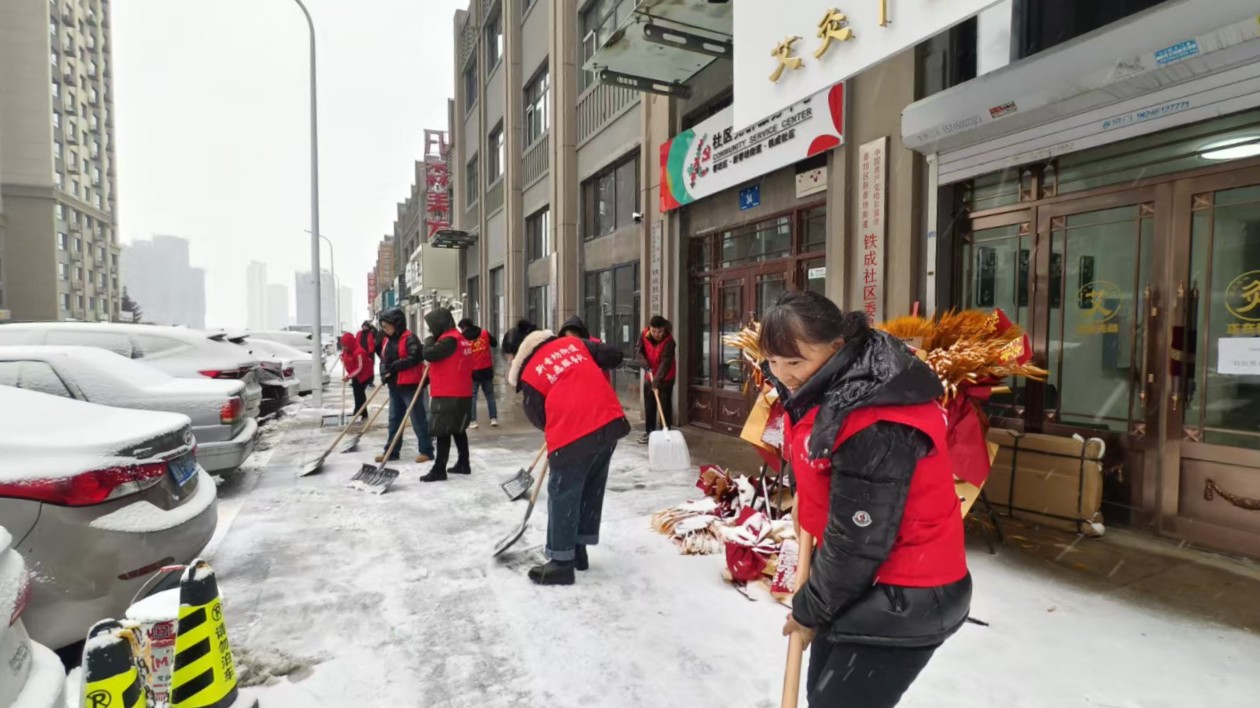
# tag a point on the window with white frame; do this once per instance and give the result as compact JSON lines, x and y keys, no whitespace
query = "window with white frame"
{"x":495,"y":160}
{"x":537,"y":120}
{"x":494,"y":41}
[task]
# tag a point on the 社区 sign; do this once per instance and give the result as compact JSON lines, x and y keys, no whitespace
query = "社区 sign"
{"x":786,"y":51}
{"x":714,"y":156}
{"x":873,"y":181}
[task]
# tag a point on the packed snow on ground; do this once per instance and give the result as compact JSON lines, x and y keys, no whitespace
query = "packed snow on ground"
{"x":395,"y":600}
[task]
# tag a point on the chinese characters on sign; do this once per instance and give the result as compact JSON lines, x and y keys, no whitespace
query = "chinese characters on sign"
{"x":870,"y":263}
{"x":437,"y":182}
{"x":655,"y":268}
{"x":1239,"y":356}
{"x":833,"y":27}
{"x":1101,"y":304}
{"x":372,"y":287}
{"x":559,"y":362}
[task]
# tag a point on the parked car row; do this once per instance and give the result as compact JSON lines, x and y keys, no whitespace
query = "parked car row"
{"x":108,"y":433}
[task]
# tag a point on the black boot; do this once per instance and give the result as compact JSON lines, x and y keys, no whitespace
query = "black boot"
{"x":553,"y":573}
{"x":461,"y":468}
{"x":434,"y":475}
{"x":580,"y":561}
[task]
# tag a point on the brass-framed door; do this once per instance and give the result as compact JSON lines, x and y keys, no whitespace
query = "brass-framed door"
{"x":1210,"y":488}
{"x":1096,"y":321}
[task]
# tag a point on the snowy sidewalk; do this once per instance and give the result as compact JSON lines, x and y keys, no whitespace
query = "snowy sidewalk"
{"x":395,"y":601}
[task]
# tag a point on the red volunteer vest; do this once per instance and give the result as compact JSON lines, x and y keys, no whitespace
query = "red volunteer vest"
{"x":367,"y":341}
{"x":359,"y":360}
{"x":578,"y":399}
{"x":929,"y":549}
{"x":653,"y":353}
{"x":452,"y":377}
{"x":481,"y":352}
{"x":406,"y":377}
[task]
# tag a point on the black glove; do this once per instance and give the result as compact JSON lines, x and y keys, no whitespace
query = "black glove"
{"x":429,"y":341}
{"x":396,"y":367}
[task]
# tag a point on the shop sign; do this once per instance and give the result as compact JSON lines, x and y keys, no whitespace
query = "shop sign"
{"x":1238,"y":356}
{"x":873,"y":166}
{"x":371,"y":287}
{"x":750,"y":197}
{"x":811,"y":182}
{"x":1242,"y":297}
{"x":787,"y":51}
{"x":714,"y":156}
{"x":817,"y":273}
{"x":1100,"y":302}
{"x":437,"y":183}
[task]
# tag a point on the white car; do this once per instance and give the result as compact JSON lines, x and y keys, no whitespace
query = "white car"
{"x":100,"y":498}
{"x":182,"y":353}
{"x":300,"y":341}
{"x":302,"y":363}
{"x":31,"y":675}
{"x":225,"y":434}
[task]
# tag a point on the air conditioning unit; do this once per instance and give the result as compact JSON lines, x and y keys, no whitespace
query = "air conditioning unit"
{"x":72,"y":166}
{"x":76,"y":287}
{"x":76,"y":257}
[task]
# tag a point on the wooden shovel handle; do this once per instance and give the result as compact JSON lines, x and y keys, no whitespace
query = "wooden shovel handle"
{"x":660,"y":410}
{"x":537,"y":457}
{"x":406,"y":417}
{"x":796,"y":645}
{"x":345,"y":429}
{"x":533,"y":498}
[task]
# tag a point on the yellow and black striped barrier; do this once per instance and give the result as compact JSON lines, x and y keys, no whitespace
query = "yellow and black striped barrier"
{"x":204,"y":674}
{"x":111,"y":674}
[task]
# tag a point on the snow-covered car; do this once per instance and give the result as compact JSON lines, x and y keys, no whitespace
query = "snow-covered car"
{"x":225,"y":434}
{"x":182,"y":353}
{"x":301,"y":341}
{"x":279,"y":384}
{"x":31,"y":675}
{"x":302,"y":362}
{"x":99,"y":498}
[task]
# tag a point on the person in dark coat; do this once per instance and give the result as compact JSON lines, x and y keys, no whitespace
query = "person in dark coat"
{"x":482,"y":368}
{"x":402,"y":368}
{"x":566,"y":395}
{"x":875,"y":487}
{"x":575,"y":327}
{"x":656,"y":352}
{"x":356,"y":366}
{"x":370,"y":340}
{"x":451,"y":389}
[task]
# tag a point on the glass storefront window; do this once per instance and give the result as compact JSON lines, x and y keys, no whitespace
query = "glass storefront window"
{"x":702,"y":326}
{"x":1096,"y":327}
{"x":731,"y":321}
{"x":1222,"y":398}
{"x":995,"y":190}
{"x":814,"y":222}
{"x":995,"y":275}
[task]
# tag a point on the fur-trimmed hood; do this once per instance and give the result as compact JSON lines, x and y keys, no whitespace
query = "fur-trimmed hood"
{"x":527,"y":347}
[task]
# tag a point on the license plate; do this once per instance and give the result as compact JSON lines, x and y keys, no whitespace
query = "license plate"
{"x":183,"y":469}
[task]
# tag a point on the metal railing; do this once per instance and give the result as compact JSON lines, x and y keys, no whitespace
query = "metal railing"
{"x":599,"y":106}
{"x":494,"y":197}
{"x":537,"y":160}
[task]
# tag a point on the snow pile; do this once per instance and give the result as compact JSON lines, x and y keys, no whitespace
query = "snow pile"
{"x":34,"y":435}
{"x":158,"y":607}
{"x":263,"y":666}
{"x":46,"y":685}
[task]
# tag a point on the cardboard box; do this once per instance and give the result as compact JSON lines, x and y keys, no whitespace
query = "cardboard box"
{"x":1048,"y":479}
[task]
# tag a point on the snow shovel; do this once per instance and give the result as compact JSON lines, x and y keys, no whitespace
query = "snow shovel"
{"x":352,"y":443}
{"x":517,"y":486}
{"x":315,"y":465}
{"x":338,"y":420}
{"x":378,"y":478}
{"x":667,"y":449}
{"x":515,"y":536}
{"x":796,"y":646}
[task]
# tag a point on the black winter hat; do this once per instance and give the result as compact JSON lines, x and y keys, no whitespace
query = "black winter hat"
{"x":512,"y":340}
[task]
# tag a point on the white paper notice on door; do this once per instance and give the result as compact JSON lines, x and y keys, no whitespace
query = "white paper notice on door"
{"x":1238,"y":356}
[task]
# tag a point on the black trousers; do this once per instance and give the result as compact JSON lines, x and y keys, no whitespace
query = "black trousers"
{"x":652,"y":419}
{"x":444,"y":451}
{"x":360,"y":395}
{"x":853,"y":675}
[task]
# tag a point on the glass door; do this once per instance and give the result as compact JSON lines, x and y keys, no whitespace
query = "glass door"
{"x":732,"y":314}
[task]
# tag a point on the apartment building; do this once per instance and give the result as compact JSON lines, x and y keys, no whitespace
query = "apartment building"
{"x":59,"y":255}
{"x":304,"y":290}
{"x":278,"y":313}
{"x":256,"y":295}
{"x":160,"y":277}
{"x":547,"y":169}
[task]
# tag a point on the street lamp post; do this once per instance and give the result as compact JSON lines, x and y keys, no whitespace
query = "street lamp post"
{"x":332,"y":268}
{"x":317,"y":351}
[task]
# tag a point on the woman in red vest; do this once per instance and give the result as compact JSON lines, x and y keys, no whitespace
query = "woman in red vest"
{"x":451,"y":390}
{"x":482,"y":368}
{"x":566,"y":395}
{"x":866,"y":442}
{"x":357,"y":365}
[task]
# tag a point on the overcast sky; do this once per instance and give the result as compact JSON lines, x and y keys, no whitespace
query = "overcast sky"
{"x":213,"y":139}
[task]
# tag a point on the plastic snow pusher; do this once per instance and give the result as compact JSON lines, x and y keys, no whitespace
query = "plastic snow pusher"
{"x":667,"y":449}
{"x":378,"y":478}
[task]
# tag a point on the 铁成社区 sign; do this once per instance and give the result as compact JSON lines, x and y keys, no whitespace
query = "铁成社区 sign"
{"x":713,"y":155}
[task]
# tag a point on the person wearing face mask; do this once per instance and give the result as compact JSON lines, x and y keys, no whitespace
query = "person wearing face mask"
{"x":866,"y":442}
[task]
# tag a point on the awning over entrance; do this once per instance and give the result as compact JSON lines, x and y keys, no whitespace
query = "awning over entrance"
{"x":663,"y":43}
{"x":1169,"y":66}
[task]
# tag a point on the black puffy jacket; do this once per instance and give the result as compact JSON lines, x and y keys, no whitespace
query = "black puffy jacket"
{"x":390,"y":362}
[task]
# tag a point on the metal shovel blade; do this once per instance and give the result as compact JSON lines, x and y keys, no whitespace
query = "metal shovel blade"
{"x":333,"y":421}
{"x":350,"y":444}
{"x":376,"y":480}
{"x":313,"y":466}
{"x":518,"y":485}
{"x":509,"y":540}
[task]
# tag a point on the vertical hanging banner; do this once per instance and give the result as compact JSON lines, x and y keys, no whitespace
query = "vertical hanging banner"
{"x":656,"y":271}
{"x":873,"y":167}
{"x":437,"y":182}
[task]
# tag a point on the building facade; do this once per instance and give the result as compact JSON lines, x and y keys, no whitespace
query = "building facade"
{"x":256,"y":295}
{"x":59,"y":256}
{"x":161,"y":280}
{"x":304,"y":288}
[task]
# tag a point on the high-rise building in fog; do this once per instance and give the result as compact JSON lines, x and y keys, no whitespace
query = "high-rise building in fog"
{"x":256,"y":295}
{"x":60,"y":251}
{"x":345,"y":298}
{"x":277,"y":306}
{"x":160,"y":279}
{"x":305,"y":300}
